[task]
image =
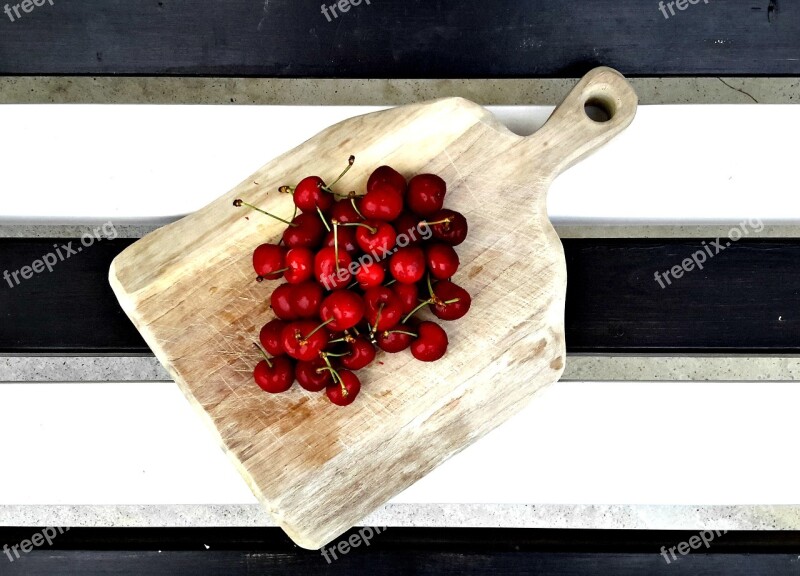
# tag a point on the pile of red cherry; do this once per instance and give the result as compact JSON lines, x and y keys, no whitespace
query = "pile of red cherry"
{"x":357,"y":269}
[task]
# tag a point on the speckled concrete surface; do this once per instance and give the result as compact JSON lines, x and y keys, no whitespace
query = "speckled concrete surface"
{"x":378,"y":91}
{"x":426,"y":515}
{"x":578,"y":368}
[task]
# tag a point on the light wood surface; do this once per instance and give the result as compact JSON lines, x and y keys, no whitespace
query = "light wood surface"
{"x":319,"y":469}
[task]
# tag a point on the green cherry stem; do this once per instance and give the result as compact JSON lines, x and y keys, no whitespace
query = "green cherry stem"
{"x":336,"y":244}
{"x":430,"y":286}
{"x":264,"y":354}
{"x":401,"y":332}
{"x":355,"y":207}
{"x":239,"y":202}
{"x":374,"y":328}
{"x":417,"y":309}
{"x":322,"y":217}
{"x":329,"y":187}
{"x":317,"y":329}
{"x":367,"y":226}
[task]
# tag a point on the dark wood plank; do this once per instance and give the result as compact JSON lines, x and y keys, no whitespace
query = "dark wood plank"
{"x":239,"y":551}
{"x":745,"y":300}
{"x":401,"y":38}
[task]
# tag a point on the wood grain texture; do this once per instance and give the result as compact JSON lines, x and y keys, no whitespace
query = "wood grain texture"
{"x":402,"y":38}
{"x":318,"y":469}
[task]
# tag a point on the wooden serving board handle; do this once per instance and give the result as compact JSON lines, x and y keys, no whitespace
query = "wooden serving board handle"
{"x":190,"y":290}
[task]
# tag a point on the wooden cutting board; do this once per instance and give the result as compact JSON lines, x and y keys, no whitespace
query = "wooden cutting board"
{"x":319,"y":469}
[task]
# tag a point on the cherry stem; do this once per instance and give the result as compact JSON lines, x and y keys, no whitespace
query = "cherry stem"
{"x":453,"y":301}
{"x":318,"y":328}
{"x":239,"y":202}
{"x":334,"y":373}
{"x":332,"y":355}
{"x":322,"y":217}
{"x":350,"y":162}
{"x":368,"y":227}
{"x":443,"y":221}
{"x":401,"y":332}
{"x":336,"y":244}
{"x":417,"y":309}
{"x":430,"y":287}
{"x":390,"y":282}
{"x":264,"y":354}
{"x":355,"y":207}
{"x":374,"y":329}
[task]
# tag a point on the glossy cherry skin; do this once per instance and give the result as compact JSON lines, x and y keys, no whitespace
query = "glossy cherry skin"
{"x":268,"y":258}
{"x":302,"y":340}
{"x":347,"y":239}
{"x":344,"y":212}
{"x":381,"y":203}
{"x":325,"y":268}
{"x":314,"y":375}
{"x":350,"y":382}
{"x":379,"y":242}
{"x":281,"y":302}
{"x":370,"y":274}
{"x":308,"y":195}
{"x":453,"y":232}
{"x":381,"y":300}
{"x":307,"y":232}
{"x":344,"y":308}
{"x":425,"y":194}
{"x":306,"y":299}
{"x":446,"y":291}
{"x":393,"y":341}
{"x":387,"y":176}
{"x":277,"y":378}
{"x":300,"y":264}
{"x":431,"y":342}
{"x":408,"y":295}
{"x":442,"y":260}
{"x":361,"y":353}
{"x":407,"y":265}
{"x":270,"y":337}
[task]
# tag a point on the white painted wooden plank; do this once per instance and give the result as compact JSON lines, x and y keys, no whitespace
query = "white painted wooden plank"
{"x":675,"y":164}
{"x":646,"y":443}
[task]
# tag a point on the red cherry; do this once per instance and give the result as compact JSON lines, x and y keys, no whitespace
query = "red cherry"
{"x":449,"y":226}
{"x":347,"y":239}
{"x":299,"y":264}
{"x":306,"y":299}
{"x":281,"y":302}
{"x":314,"y":376}
{"x":381,"y":203}
{"x":276,"y":378}
{"x":270,"y":337}
{"x":376,"y":237}
{"x":325,"y":268}
{"x":431,"y":342}
{"x":307,"y":231}
{"x":426,"y":194}
{"x":407,"y":225}
{"x":360,"y":353}
{"x":346,"y":392}
{"x":308,"y":195}
{"x":385,"y":175}
{"x":458,"y":298}
{"x":269,"y":261}
{"x":382,"y":306}
{"x":407,"y":265}
{"x":394,"y":341}
{"x":304,"y":340}
{"x":344,"y":212}
{"x":370,"y":274}
{"x":442,"y":260}
{"x":408,"y":295}
{"x":343,"y":308}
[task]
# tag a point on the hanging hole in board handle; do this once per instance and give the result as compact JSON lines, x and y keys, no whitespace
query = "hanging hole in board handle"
{"x":599,"y":109}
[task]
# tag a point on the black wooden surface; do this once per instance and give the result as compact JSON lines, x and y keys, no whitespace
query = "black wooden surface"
{"x":234,"y":552}
{"x":745,"y":300}
{"x":401,"y":38}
